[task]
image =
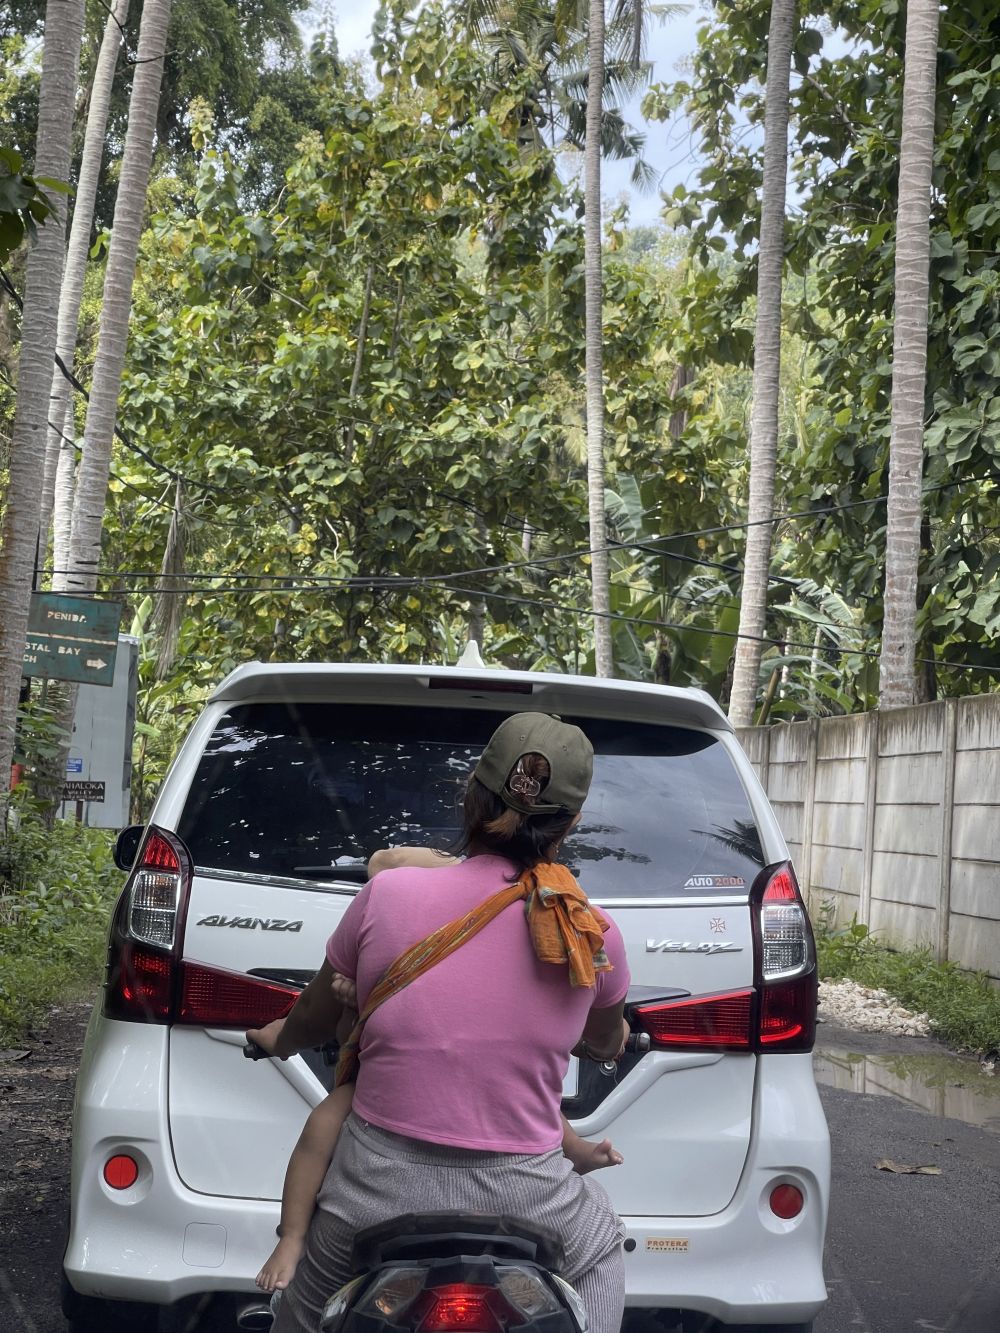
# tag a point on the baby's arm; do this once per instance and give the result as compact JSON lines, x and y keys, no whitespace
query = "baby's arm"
{"x":306,"y":1168}
{"x":587,"y":1156}
{"x":388,"y":858}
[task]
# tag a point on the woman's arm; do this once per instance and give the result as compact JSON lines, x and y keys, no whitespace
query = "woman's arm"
{"x":311,"y":1022}
{"x":604,"y":1034}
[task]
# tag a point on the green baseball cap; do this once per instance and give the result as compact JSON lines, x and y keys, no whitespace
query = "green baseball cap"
{"x":569,"y":752}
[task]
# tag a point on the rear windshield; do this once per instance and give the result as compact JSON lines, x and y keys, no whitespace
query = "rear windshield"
{"x":297,"y":790}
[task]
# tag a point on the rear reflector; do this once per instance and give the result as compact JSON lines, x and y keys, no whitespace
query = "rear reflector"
{"x":213,"y":997}
{"x":786,"y":1201}
{"x":713,"y":1022}
{"x":120,"y":1172}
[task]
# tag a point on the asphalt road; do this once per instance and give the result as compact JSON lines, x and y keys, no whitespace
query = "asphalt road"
{"x":905,"y":1253}
{"x":909,"y":1252}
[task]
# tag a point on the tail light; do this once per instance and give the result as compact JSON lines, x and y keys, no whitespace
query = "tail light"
{"x":785,"y":957}
{"x":147,"y":980}
{"x":778,"y":1013}
{"x":706,"y":1022}
{"x":464,"y":1308}
{"x":401,"y":1297}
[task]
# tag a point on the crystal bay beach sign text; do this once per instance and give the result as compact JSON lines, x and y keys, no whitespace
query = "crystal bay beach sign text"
{"x":71,"y":638}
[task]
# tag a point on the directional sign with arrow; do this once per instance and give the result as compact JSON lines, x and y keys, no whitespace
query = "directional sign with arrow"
{"x":72,"y":638}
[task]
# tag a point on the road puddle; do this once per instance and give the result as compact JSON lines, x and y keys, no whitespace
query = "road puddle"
{"x":945,"y":1085}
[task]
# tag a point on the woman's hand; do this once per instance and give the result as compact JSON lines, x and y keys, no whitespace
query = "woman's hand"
{"x":267,"y":1037}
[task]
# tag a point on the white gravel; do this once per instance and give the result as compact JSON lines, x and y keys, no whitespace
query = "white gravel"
{"x":867,"y":1010}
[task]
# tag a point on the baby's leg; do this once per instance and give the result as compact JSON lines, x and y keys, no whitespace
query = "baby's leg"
{"x":587,"y":1156}
{"x":306,"y":1168}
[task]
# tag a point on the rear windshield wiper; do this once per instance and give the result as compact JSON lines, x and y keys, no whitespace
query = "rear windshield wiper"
{"x":355,"y":872}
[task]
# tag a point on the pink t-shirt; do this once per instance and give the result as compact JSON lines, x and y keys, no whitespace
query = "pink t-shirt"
{"x":474,"y":1052}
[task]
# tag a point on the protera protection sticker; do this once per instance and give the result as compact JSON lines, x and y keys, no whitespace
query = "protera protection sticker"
{"x":668,"y":1244}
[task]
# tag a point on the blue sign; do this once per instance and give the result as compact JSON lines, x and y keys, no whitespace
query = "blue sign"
{"x":74,"y":765}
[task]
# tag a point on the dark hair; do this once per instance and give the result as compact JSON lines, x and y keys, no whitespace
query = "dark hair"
{"x":524,"y":839}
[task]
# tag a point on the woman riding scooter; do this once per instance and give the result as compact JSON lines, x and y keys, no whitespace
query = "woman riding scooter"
{"x":476,"y":981}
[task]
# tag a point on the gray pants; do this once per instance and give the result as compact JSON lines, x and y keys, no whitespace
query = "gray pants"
{"x":376,"y":1176}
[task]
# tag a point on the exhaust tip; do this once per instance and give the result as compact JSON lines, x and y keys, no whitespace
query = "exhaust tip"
{"x":255,"y":1316}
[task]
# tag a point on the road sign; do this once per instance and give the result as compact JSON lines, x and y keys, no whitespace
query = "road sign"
{"x":71,"y":638}
{"x":83,"y":791}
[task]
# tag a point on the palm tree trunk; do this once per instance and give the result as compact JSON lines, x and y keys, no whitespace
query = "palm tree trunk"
{"x":594,"y":285}
{"x":909,"y":357}
{"x":19,"y":534}
{"x":61,"y":398}
{"x":766,"y":367}
{"x":130,"y":205}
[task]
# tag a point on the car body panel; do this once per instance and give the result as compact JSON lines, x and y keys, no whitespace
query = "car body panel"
{"x":159,"y":1240}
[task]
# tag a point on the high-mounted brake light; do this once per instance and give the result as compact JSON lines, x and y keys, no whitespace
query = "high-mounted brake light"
{"x":706,"y":1022}
{"x":786,"y":964}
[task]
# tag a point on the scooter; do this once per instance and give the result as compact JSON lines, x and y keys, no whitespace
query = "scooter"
{"x":452,"y":1272}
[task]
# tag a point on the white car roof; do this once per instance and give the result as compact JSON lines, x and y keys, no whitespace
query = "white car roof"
{"x":444,"y":686}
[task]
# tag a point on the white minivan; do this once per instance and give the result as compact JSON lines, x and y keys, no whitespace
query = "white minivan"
{"x":290,"y":779}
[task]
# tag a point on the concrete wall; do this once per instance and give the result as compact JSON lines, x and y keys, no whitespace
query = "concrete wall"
{"x":895,"y":817}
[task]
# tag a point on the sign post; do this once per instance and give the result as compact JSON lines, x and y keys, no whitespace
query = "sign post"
{"x":71,"y":638}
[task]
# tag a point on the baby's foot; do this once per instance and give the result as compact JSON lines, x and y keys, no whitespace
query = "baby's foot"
{"x":589,"y":1156}
{"x":280,"y":1268}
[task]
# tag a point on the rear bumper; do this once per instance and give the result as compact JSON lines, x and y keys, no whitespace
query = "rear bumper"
{"x":156,"y":1241}
{"x":744,"y":1264}
{"x":159,"y":1241}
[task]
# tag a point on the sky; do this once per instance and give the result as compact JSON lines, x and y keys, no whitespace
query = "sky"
{"x":667,"y":147}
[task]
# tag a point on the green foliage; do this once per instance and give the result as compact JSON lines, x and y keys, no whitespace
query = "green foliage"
{"x":964,"y":1008}
{"x":25,"y":201}
{"x":380,"y":380}
{"x":56,"y":890}
{"x":846,"y":111}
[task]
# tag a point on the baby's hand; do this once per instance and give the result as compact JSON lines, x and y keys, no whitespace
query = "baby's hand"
{"x":345,"y":990}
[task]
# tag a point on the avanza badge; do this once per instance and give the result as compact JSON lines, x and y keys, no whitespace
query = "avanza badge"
{"x":250,"y":922}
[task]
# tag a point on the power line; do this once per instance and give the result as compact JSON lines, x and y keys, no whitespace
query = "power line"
{"x":478,"y":593}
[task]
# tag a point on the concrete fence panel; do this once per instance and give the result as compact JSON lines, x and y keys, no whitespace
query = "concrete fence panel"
{"x":895,"y":818}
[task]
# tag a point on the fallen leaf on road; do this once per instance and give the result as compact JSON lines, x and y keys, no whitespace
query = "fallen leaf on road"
{"x":14,"y":1055}
{"x":901,"y":1168}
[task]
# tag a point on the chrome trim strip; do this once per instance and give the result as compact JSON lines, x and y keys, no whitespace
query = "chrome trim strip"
{"x":280,"y":881}
{"x":680,"y":901}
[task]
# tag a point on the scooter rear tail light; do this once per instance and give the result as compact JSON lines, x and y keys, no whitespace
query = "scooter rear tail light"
{"x":706,"y":1022}
{"x":464,"y":1308}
